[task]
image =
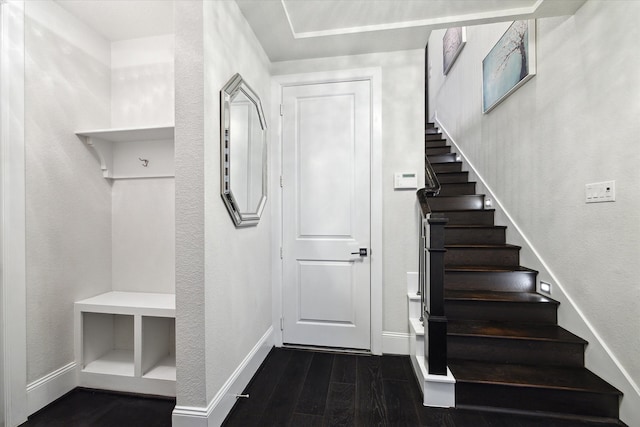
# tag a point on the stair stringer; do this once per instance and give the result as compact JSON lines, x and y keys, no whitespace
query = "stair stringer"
{"x":598,"y":356}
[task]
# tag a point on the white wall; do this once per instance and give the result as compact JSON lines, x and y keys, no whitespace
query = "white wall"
{"x":143,"y":235}
{"x":402,"y":151}
{"x":189,"y":149}
{"x":67,"y":86}
{"x":223,"y":287}
{"x":142,"y":82}
{"x":143,"y":210}
{"x":237,"y":261}
{"x":574,"y":123}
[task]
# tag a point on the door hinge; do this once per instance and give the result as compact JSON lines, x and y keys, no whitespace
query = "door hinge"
{"x":281,"y":110}
{"x":280,"y":252}
{"x":281,"y":185}
{"x":282,"y":323}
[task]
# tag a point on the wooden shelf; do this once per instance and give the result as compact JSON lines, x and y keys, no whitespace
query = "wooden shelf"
{"x":122,"y":152}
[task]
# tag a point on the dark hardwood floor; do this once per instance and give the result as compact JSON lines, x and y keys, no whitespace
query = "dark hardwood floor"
{"x":305,"y":388}
{"x":92,"y":408}
{"x":297,"y":388}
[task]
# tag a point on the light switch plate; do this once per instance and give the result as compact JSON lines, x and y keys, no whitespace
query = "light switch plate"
{"x":600,"y":192}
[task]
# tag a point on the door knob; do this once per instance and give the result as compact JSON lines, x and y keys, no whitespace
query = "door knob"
{"x":361,"y":252}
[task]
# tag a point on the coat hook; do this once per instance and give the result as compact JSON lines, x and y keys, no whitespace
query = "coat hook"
{"x":145,"y":162}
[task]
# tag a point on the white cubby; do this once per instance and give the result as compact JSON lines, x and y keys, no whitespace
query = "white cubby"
{"x":126,"y":342}
{"x":133,"y":152}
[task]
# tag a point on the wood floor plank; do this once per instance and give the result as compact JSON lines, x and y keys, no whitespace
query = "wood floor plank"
{"x":370,"y":405}
{"x":340,"y":405}
{"x":281,"y":405}
{"x":401,"y":411}
{"x":395,"y":367}
{"x":248,"y":412}
{"x":306,"y":420}
{"x":313,"y":397}
{"x":344,"y":368}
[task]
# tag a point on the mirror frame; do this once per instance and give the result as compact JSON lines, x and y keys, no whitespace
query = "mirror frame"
{"x":230,"y":90}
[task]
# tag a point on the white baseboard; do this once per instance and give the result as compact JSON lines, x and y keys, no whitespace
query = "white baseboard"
{"x":395,"y":343}
{"x":51,"y":387}
{"x":438,"y":391}
{"x":220,"y":406}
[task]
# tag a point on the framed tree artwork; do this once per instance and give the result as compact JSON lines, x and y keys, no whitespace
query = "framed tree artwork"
{"x":452,"y":43}
{"x":509,"y":64}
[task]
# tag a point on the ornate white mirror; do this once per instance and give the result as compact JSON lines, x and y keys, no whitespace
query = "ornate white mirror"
{"x":243,"y":152}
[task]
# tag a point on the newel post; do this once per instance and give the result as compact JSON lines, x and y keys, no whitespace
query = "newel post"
{"x":436,"y":342}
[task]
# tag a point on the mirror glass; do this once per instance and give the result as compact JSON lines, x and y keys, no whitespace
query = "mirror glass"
{"x":243,"y":152}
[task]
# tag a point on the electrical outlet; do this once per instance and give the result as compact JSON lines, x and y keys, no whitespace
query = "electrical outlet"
{"x":600,"y":192}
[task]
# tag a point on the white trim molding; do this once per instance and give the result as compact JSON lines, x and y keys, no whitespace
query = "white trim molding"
{"x":374,"y":75}
{"x":52,"y":386}
{"x":395,"y":342}
{"x":12,"y":180}
{"x":222,"y":403}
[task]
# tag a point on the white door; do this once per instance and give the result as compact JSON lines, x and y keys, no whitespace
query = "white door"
{"x":326,"y":214}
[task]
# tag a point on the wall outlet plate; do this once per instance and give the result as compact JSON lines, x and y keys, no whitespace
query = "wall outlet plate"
{"x":600,"y":192}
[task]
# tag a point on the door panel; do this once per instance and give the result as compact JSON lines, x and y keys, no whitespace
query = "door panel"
{"x":326,"y":214}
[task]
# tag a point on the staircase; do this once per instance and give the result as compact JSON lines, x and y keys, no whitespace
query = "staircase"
{"x":505,"y":348}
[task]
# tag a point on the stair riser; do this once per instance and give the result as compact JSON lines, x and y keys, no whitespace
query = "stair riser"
{"x":543,"y":313}
{"x":442,"y":158}
{"x":474,"y":217}
{"x":446,"y":167}
{"x":503,"y":281}
{"x":482,"y":256}
{"x":446,"y":178}
{"x":518,"y":351}
{"x":457,"y":189}
{"x":433,"y":135}
{"x":455,"y":203}
{"x":537,"y":399}
{"x":434,"y":141}
{"x":489,"y":236}
{"x":430,"y":151}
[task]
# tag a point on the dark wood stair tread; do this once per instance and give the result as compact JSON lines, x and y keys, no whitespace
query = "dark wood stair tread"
{"x":494,"y":296}
{"x":487,"y":268}
{"x":477,"y":246}
{"x":475,"y":226}
{"x":512,"y":330}
{"x":552,"y":377}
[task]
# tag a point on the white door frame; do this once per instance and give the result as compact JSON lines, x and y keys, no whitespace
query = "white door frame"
{"x":374,"y":75}
{"x":12,"y":168}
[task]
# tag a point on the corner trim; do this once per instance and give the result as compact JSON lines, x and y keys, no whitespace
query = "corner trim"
{"x":222,"y":403}
{"x":12,"y":168}
{"x":52,"y":386}
{"x":395,"y":342}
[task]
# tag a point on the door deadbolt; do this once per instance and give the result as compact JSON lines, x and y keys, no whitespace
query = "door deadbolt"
{"x":361,"y":252}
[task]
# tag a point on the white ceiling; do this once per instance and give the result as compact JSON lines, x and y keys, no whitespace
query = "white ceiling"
{"x":123,"y":19}
{"x":299,"y":29}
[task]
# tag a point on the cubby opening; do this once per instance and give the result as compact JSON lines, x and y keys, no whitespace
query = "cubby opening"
{"x":108,"y":344}
{"x":158,"y":348}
